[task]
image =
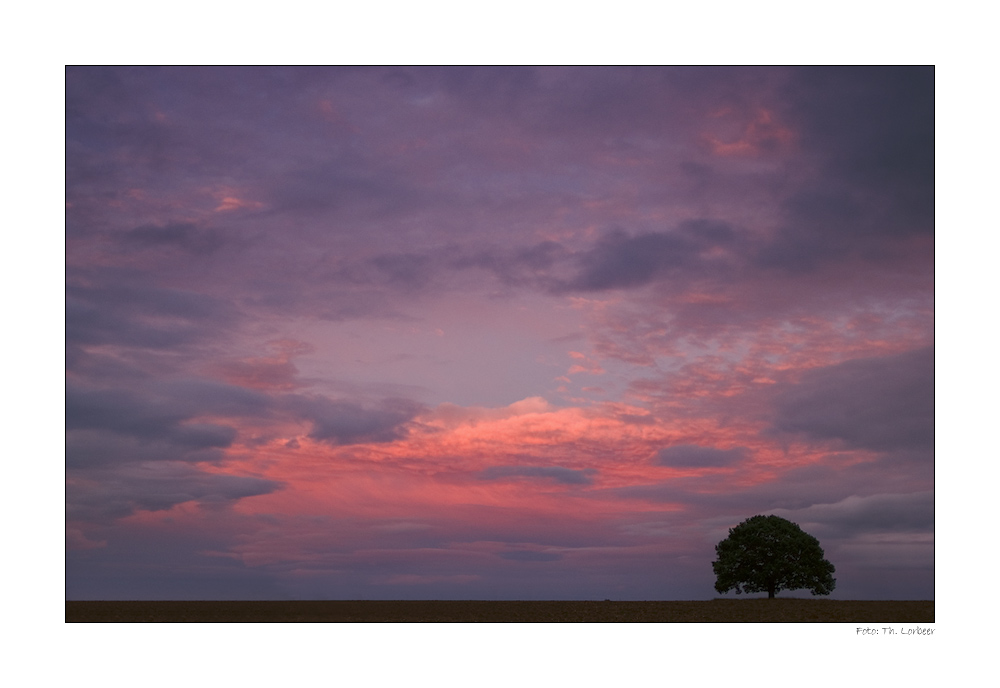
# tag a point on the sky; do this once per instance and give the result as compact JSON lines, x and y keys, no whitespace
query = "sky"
{"x":484,"y":333}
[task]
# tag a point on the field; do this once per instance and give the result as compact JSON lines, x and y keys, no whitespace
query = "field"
{"x":465,"y":611}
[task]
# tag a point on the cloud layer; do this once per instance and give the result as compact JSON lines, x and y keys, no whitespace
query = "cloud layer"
{"x":494,"y":333}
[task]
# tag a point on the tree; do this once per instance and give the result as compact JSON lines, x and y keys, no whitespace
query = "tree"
{"x":769,"y":553}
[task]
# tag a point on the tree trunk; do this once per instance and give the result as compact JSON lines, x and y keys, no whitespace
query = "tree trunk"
{"x":770,"y":591}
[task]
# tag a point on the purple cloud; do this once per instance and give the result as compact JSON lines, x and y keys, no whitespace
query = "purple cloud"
{"x":883,"y":403}
{"x":559,"y":474}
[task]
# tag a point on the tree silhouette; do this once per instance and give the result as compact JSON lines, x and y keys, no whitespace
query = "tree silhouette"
{"x":770,"y":553}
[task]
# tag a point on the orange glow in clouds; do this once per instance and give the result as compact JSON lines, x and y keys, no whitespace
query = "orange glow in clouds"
{"x":447,"y":457}
{"x":759,"y":136}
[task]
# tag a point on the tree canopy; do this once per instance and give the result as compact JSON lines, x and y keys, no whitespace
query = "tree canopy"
{"x":770,"y":554}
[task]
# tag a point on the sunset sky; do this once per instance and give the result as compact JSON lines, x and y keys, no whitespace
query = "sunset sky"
{"x":448,"y":333}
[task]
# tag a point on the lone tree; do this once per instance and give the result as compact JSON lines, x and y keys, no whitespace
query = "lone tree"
{"x":773,"y":554}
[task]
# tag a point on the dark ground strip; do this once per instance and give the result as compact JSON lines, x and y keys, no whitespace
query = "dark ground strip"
{"x":467,"y":611}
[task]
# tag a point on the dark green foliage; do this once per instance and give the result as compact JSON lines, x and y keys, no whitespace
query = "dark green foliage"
{"x":770,"y":554}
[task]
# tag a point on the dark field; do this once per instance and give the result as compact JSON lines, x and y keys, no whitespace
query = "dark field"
{"x":466,"y":611}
